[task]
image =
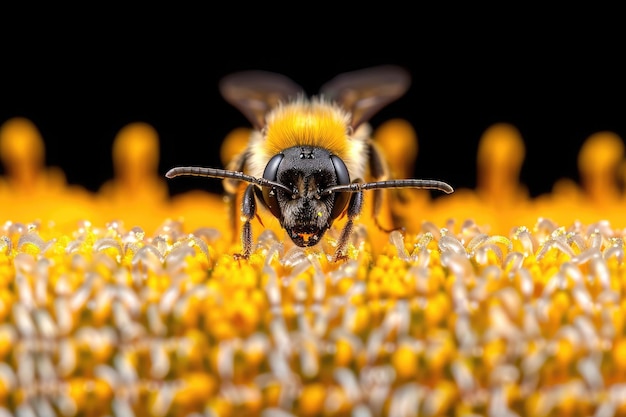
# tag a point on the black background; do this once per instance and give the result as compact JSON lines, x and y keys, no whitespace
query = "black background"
{"x":81,"y":84}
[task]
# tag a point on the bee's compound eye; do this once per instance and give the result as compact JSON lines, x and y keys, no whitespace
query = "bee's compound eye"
{"x":269,"y":194}
{"x":271,"y":169}
{"x":343,"y":177}
{"x":341,"y":170}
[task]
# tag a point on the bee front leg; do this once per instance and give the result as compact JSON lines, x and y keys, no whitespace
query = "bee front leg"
{"x":379,"y":171}
{"x":248,"y":211}
{"x":354,"y":209}
{"x":231,"y":188}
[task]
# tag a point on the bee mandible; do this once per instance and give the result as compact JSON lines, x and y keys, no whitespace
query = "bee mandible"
{"x":308,"y":157}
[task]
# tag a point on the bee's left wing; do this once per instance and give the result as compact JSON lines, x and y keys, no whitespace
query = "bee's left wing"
{"x":364,"y":92}
{"x":255,"y":93}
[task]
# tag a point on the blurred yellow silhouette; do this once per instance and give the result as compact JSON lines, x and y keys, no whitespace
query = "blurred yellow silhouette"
{"x":234,"y":143}
{"x":500,"y":157}
{"x":23,"y":157}
{"x":199,"y":208}
{"x":499,"y":200}
{"x":137,"y":194}
{"x":598,"y":163}
{"x":398,"y":143}
{"x":30,"y":191}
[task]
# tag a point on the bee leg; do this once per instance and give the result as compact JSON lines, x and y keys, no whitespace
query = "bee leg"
{"x":379,"y":171}
{"x":231,"y":188}
{"x":354,"y":209}
{"x":248,"y":212}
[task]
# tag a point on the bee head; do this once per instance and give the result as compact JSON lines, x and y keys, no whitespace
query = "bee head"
{"x":305,"y":212}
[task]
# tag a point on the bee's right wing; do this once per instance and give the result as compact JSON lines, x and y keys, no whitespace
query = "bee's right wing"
{"x":254,"y":93}
{"x":364,"y":92}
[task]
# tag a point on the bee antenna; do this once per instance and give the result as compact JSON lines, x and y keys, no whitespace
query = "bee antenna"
{"x":406,"y":183}
{"x":223,"y":174}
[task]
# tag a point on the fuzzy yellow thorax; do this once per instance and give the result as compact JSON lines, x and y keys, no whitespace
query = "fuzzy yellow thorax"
{"x":310,"y":123}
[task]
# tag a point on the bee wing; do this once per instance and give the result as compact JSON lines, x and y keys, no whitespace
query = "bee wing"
{"x":254,"y":93}
{"x":364,"y":92}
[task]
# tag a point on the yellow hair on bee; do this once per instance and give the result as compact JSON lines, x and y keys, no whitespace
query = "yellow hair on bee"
{"x":311,"y":123}
{"x":316,"y":122}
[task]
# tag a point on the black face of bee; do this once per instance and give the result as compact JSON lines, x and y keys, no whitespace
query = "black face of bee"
{"x":305,"y":213}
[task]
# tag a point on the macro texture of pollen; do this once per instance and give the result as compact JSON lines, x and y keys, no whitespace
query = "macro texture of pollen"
{"x":128,"y":302}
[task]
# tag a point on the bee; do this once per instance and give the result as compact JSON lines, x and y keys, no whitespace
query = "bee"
{"x":307,"y":157}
